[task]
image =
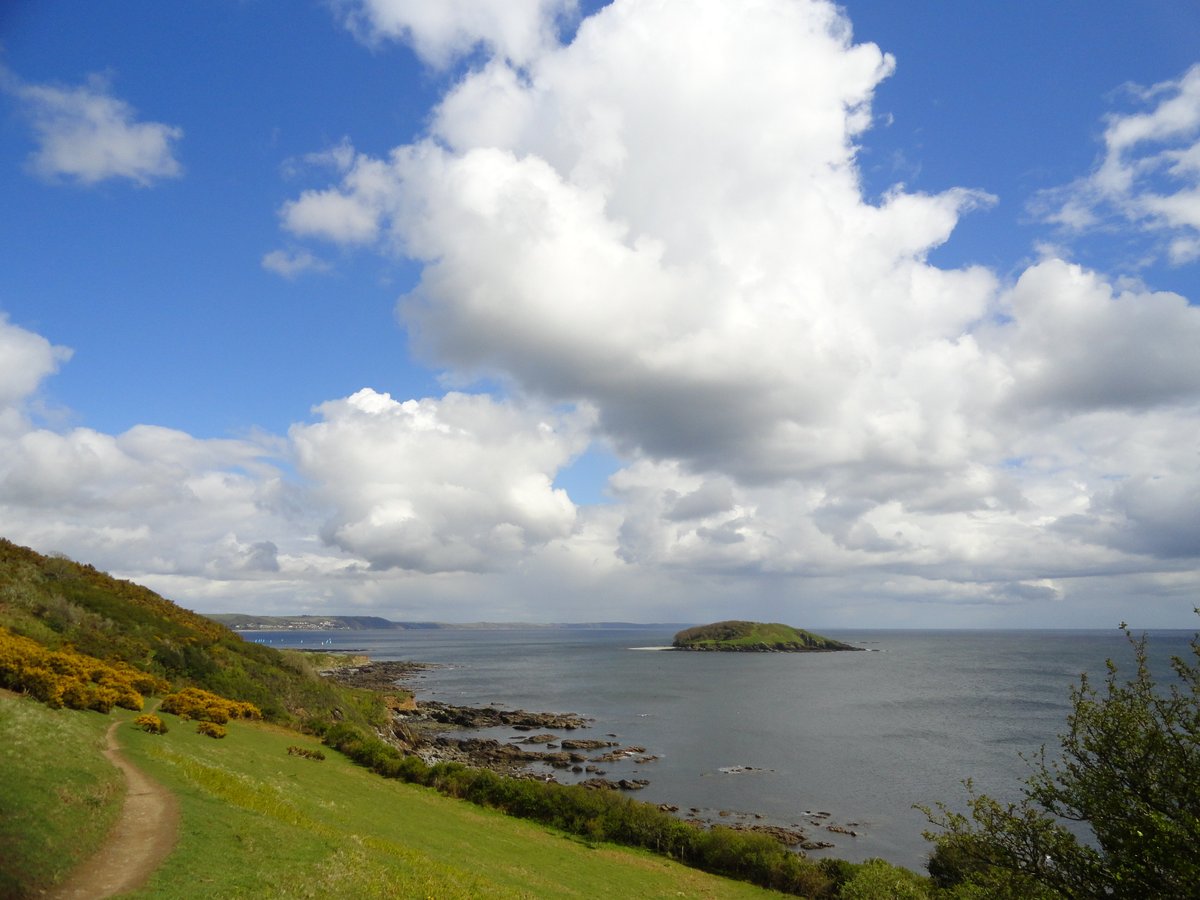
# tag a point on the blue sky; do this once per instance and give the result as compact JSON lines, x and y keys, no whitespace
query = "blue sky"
{"x":871,"y":314}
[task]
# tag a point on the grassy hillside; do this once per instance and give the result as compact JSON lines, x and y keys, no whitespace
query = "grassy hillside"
{"x":63,"y":604}
{"x":259,"y":822}
{"x":293,"y":827}
{"x":754,"y":636}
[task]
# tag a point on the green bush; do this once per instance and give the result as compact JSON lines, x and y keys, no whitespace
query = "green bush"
{"x":876,"y":879}
{"x":1126,"y":769}
{"x":305,"y":753}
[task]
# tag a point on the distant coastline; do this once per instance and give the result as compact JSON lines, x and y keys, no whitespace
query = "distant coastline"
{"x":247,"y":622}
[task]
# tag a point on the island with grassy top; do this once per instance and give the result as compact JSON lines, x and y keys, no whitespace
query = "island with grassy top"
{"x":755,"y":637}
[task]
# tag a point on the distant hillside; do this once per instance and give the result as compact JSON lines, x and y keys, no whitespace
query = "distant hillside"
{"x":248,"y":622}
{"x":245,"y":622}
{"x":59,"y":603}
{"x":760,"y":637}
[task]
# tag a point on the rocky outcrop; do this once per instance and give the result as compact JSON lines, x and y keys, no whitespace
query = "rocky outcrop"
{"x":375,"y":676}
{"x":490,"y":717}
{"x":586,"y":744}
{"x":623,"y":784}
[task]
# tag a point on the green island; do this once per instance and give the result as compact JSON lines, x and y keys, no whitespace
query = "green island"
{"x":736,"y":636}
{"x":277,"y":780}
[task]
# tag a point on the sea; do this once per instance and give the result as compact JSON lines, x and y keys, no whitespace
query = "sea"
{"x":850,"y":740}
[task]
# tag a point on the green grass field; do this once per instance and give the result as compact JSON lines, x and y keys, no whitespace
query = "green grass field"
{"x":59,"y":795}
{"x":258,"y":822}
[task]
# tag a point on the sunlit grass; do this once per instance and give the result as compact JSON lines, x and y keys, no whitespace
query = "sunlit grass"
{"x":59,"y":795}
{"x":258,"y":821}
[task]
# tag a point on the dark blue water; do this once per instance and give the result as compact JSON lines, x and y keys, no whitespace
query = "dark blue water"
{"x":863,"y":736}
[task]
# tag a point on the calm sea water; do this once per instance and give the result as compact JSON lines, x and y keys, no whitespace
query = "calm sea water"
{"x":862,"y":736}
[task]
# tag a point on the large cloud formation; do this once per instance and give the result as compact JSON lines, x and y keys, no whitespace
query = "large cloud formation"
{"x":674,"y":234}
{"x":663,"y":246}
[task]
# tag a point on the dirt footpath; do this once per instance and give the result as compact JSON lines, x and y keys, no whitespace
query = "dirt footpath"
{"x":137,"y":844}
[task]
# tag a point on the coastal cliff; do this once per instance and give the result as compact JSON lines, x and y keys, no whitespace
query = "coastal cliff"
{"x":737,"y":636}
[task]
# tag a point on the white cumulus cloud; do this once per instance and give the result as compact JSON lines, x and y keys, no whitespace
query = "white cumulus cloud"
{"x":440,"y":32}
{"x":26,"y":359}
{"x":87,"y":135}
{"x":1149,"y":173}
{"x":460,"y":483}
{"x":291,"y":264}
{"x":673,"y":233}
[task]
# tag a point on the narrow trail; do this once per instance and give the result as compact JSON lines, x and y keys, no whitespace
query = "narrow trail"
{"x":138,"y":843}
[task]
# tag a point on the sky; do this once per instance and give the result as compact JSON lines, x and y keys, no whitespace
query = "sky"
{"x":859,"y":315}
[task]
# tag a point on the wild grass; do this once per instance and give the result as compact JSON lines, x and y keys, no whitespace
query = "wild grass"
{"x":59,"y":795}
{"x":258,"y":821}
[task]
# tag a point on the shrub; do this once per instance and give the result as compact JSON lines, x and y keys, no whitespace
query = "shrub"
{"x":838,"y":871}
{"x":205,"y":706}
{"x":151,"y":724}
{"x":67,"y":678}
{"x":1127,"y":770}
{"x":880,"y":880}
{"x":212,"y":729}
{"x":305,"y":753}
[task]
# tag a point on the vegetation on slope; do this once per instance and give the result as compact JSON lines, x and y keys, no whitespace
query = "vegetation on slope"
{"x":73,"y":608}
{"x":604,"y":816}
{"x":260,"y":821}
{"x":65,"y":678}
{"x":755,"y":636}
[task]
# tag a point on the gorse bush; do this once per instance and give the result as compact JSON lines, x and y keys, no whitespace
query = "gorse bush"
{"x":212,"y":729}
{"x":66,"y":678}
{"x":151,"y":724}
{"x":205,"y":706}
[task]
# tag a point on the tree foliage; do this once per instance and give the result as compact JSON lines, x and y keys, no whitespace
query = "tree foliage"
{"x":1126,"y":779}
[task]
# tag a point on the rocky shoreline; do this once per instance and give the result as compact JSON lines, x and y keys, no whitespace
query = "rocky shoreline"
{"x":430,"y":730}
